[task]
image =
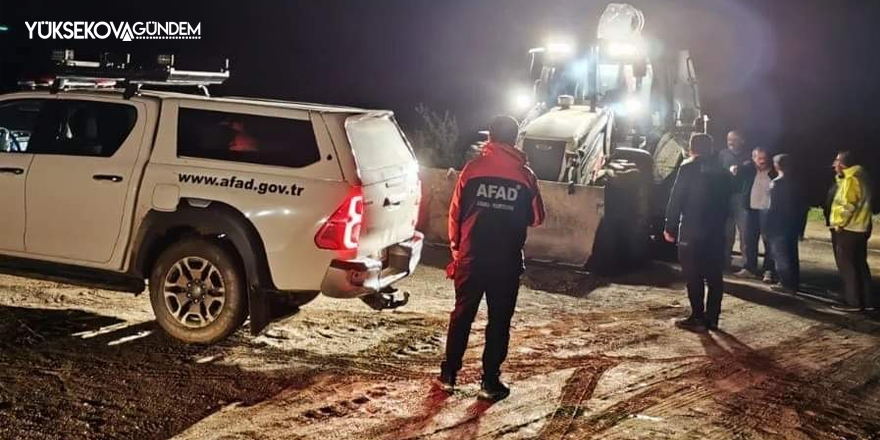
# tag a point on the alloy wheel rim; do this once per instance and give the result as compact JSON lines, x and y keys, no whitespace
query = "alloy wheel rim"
{"x":194,"y":292}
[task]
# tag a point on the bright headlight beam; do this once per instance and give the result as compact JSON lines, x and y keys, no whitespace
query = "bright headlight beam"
{"x":522,"y":99}
{"x":633,"y":107}
{"x":559,"y":48}
{"x":621,"y":49}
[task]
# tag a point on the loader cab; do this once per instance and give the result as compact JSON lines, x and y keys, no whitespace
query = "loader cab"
{"x":616,"y":75}
{"x":555,"y":72}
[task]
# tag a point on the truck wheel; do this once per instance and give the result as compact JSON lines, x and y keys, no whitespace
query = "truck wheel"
{"x":197,"y":290}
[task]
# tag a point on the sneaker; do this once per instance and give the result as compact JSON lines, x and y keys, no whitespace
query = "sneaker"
{"x":745,"y":273}
{"x":845,"y":308}
{"x":768,"y":277}
{"x":691,"y":324}
{"x":493,"y":389}
{"x":446,"y":381}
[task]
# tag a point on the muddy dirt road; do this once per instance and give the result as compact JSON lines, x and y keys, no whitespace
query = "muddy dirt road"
{"x":590,"y":358}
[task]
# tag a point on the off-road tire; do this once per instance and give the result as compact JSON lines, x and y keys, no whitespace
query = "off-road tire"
{"x":233,"y":310}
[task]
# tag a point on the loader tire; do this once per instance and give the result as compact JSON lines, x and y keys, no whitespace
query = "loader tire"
{"x":624,"y":236}
{"x":640,"y":159}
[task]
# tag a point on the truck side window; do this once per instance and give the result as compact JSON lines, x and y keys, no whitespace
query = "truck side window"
{"x":18,"y":122}
{"x":238,"y":137}
{"x":88,"y":128}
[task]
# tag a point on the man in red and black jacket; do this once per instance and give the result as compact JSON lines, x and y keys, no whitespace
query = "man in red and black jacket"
{"x":495,"y":201}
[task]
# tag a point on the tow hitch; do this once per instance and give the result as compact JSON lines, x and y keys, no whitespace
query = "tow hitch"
{"x":387,"y":298}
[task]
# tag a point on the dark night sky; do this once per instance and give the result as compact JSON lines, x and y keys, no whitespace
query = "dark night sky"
{"x":800,"y":75}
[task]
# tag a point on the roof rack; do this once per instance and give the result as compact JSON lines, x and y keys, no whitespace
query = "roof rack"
{"x":71,"y":73}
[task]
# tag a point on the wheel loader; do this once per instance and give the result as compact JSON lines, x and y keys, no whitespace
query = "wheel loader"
{"x":605,"y":131}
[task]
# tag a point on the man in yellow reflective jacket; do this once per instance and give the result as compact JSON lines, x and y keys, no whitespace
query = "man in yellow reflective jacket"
{"x":850,"y":222}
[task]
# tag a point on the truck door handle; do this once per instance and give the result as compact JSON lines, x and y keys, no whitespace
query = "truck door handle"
{"x":16,"y":171}
{"x":108,"y":177}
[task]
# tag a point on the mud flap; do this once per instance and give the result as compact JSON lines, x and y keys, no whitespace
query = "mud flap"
{"x":258,"y":304}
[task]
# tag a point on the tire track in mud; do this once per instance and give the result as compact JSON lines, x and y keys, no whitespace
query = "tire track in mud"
{"x":575,"y":395}
{"x":414,"y":425}
{"x":54,"y":384}
{"x":409,"y":355}
{"x":151,"y":390}
{"x":754,"y":395}
{"x":754,"y":392}
{"x":415,"y":354}
{"x":342,"y":407}
{"x":588,"y":369}
{"x":825,"y":404}
{"x":101,"y":389}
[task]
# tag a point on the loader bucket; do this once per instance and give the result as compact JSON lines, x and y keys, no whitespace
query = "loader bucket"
{"x":567,"y":235}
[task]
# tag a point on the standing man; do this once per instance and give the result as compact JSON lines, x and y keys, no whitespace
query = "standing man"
{"x":734,"y":155}
{"x":851,"y":227}
{"x":754,"y":179}
{"x":783,"y":227}
{"x":699,"y":201}
{"x":495,"y":201}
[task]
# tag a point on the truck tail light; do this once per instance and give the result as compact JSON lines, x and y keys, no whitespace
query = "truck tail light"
{"x":342,"y":230}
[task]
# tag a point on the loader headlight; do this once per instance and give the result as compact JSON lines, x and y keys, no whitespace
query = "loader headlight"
{"x":560,"y":48}
{"x":622,"y":49}
{"x":522,"y":99}
{"x":559,"y":51}
{"x":633,"y":107}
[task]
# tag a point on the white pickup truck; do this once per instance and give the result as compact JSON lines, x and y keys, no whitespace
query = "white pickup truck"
{"x":217,"y":202}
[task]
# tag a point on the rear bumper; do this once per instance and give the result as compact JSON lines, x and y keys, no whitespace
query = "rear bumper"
{"x":365,"y":276}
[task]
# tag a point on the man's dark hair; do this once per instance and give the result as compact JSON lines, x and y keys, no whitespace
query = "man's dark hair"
{"x":701,"y":144}
{"x":503,"y":129}
{"x":847,"y":158}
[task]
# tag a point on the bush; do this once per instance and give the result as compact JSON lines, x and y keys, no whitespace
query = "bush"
{"x":435,"y":140}
{"x":816,"y":215}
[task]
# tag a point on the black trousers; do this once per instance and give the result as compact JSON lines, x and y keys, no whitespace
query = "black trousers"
{"x":755,"y":227}
{"x":735,"y":227}
{"x":851,"y":255}
{"x":702,"y":264}
{"x":784,"y":248}
{"x":501,"y":287}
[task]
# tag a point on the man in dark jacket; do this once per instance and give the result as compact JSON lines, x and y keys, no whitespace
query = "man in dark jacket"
{"x":495,"y":201}
{"x":783,"y":227}
{"x":731,"y":157}
{"x":699,"y":202}
{"x":752,"y":180}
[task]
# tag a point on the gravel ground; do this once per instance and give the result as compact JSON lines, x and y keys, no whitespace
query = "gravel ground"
{"x":590,"y":358}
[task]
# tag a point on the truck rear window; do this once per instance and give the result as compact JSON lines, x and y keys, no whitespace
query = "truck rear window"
{"x":377,"y":142}
{"x":238,"y":137}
